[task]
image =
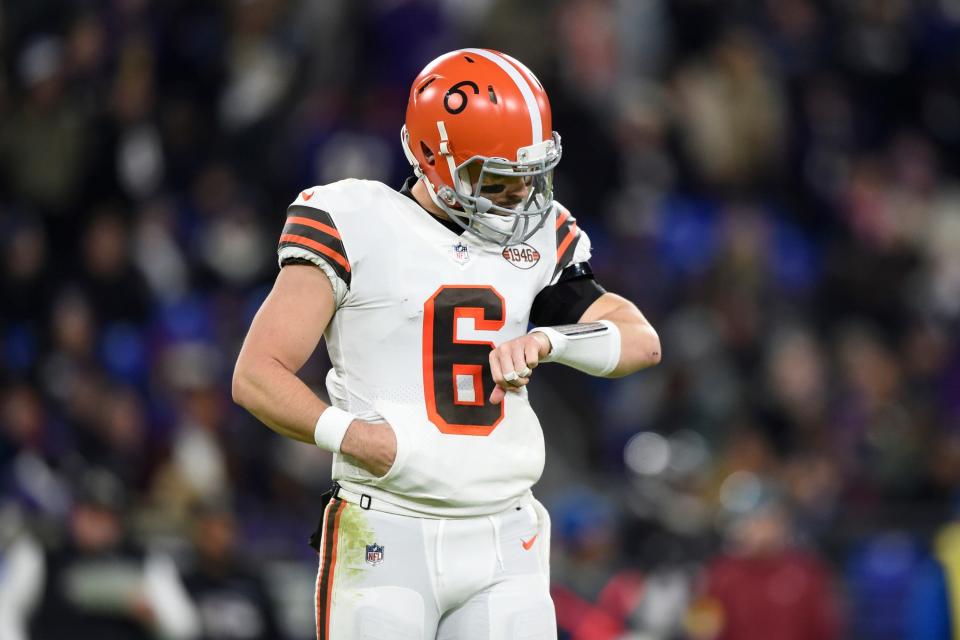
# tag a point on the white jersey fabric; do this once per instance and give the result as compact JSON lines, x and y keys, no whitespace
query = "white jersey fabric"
{"x":418,"y":309}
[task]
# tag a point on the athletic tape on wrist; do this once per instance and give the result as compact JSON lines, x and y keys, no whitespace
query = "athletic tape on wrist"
{"x":331,"y":427}
{"x":591,"y":347}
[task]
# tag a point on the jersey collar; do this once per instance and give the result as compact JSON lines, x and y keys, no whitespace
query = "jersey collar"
{"x":407,"y":190}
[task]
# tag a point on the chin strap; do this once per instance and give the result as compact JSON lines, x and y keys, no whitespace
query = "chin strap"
{"x":419,"y":172}
{"x":446,"y":152}
{"x":483,"y":204}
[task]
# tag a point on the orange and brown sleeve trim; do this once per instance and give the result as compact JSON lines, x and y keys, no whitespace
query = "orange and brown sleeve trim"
{"x":314,"y":230}
{"x":568,"y":235}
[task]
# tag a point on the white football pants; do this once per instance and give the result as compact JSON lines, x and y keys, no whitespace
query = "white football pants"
{"x":384,"y":576}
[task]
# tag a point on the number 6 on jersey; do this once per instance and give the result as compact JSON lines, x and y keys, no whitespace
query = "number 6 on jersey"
{"x":454,"y":368}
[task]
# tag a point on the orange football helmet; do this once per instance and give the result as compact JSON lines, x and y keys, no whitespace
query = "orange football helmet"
{"x":477,"y":113}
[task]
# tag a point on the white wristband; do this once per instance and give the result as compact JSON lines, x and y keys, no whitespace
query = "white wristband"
{"x":591,"y":347}
{"x":331,"y":427}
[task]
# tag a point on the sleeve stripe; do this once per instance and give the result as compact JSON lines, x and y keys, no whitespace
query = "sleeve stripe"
{"x":313,"y":230}
{"x":573,"y":233}
{"x":316,"y":246}
{"x":568,"y":235}
{"x":307,"y":222}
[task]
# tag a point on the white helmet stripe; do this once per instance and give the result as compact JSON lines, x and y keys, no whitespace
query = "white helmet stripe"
{"x":536,"y":124}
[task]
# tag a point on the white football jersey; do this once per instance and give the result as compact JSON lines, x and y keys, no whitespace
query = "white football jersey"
{"x":418,"y":309}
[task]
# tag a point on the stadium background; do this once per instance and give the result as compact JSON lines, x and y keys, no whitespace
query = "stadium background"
{"x":773,"y":183}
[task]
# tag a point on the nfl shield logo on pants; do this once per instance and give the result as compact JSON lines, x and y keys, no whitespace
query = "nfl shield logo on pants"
{"x":374,"y":553}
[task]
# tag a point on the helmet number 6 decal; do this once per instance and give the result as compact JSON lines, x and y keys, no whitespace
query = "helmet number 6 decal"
{"x":456,"y":368}
{"x":456,"y":90}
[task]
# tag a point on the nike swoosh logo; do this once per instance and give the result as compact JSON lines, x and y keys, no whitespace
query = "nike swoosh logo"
{"x":529,"y":543}
{"x":306,"y":195}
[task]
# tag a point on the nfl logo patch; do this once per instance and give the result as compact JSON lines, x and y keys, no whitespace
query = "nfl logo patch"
{"x":461,"y":253}
{"x":374,"y":553}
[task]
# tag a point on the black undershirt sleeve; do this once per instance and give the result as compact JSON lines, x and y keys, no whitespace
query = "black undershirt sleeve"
{"x":565,"y":301}
{"x":287,"y":261}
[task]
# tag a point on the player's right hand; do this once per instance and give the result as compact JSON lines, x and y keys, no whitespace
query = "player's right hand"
{"x":371,"y":445}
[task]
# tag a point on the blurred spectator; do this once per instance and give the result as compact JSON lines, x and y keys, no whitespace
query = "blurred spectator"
{"x":101,"y":582}
{"x":197,"y":468}
{"x":120,"y":441}
{"x":732,"y":114}
{"x":158,"y":254}
{"x":881,"y":570}
{"x":230,"y":595}
{"x":933,"y":606}
{"x":592,"y":598}
{"x":116,"y":289}
{"x":933,"y":611}
{"x":29,"y":453}
{"x":259,"y":67}
{"x":27,"y":277}
{"x":599,"y":594}
{"x":44,"y":140}
{"x":21,"y":580}
{"x":763,"y":585}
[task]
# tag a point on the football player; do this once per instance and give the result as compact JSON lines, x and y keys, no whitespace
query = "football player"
{"x":424,"y":297}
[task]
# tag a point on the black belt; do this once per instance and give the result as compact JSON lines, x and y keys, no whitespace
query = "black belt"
{"x":325,"y":499}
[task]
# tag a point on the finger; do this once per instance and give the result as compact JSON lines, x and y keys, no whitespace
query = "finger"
{"x":505,"y":361}
{"x":531,"y":353}
{"x":495,"y":370}
{"x":499,"y":392}
{"x":516,"y":384}
{"x":514,"y":380}
{"x":519,"y":359}
{"x":506,"y":355}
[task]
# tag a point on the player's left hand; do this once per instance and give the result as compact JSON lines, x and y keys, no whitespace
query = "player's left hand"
{"x":512,"y":363}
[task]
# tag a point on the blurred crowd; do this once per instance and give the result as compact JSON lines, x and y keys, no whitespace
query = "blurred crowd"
{"x":774,"y":183}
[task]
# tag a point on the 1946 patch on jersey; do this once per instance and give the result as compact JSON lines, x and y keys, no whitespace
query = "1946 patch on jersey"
{"x":522,"y":256}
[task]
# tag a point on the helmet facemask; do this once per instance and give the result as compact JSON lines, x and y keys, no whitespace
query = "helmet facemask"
{"x":470,"y":203}
{"x":506,"y":224}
